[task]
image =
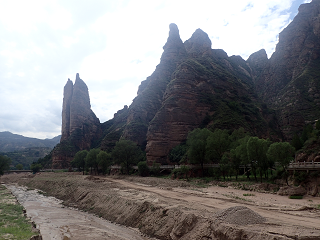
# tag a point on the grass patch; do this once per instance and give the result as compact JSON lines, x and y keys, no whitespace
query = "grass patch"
{"x":248,"y":194}
{"x":295,"y":197}
{"x":13,"y":224}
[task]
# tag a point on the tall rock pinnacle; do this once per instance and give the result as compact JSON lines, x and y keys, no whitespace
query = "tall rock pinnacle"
{"x":173,"y":48}
{"x":67,"y":96}
{"x":79,"y":123}
{"x":76,"y":111}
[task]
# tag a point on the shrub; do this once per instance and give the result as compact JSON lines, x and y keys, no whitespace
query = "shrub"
{"x":36,"y":167}
{"x":300,"y":177}
{"x":181,"y":172}
{"x":295,"y":197}
{"x":155,"y":169}
{"x":143,"y":169}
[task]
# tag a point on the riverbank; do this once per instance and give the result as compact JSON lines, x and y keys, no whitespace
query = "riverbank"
{"x":172,"y":209}
{"x":56,"y":221}
{"x":13,"y":223}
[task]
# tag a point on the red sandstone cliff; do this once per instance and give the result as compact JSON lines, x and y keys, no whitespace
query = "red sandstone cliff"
{"x":289,"y":80}
{"x":80,"y":126}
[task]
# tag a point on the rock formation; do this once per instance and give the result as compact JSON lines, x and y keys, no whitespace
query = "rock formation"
{"x":289,"y":80}
{"x":202,"y":93}
{"x":80,"y":126}
{"x":150,"y":94}
{"x":196,"y":86}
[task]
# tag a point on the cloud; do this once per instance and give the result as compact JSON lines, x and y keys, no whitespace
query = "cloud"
{"x":114,"y":45}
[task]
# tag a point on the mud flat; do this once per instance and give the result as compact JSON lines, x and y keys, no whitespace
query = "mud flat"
{"x":170,"y":209}
{"x":56,"y":221}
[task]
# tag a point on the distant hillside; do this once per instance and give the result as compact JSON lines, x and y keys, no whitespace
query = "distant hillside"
{"x":10,"y":142}
{"x":26,"y":156}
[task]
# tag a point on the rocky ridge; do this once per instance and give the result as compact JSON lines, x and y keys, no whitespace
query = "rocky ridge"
{"x":196,"y":86}
{"x":289,"y":81}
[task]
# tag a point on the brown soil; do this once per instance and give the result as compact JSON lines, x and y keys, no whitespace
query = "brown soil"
{"x":173,"y":209}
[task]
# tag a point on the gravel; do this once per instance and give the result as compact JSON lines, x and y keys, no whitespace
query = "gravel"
{"x":239,"y":215}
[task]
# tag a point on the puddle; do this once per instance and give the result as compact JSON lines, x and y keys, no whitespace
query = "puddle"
{"x":57,"y":222}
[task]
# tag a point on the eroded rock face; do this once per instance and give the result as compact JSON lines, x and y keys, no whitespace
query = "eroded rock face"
{"x":80,"y":126}
{"x":150,"y":93}
{"x":196,"y":86}
{"x":67,"y":97}
{"x":201,"y":92}
{"x":290,"y":79}
{"x":199,"y":44}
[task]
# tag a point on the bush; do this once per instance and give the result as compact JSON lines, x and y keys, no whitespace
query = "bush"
{"x":300,"y":177}
{"x":279,"y":174}
{"x":36,"y":167}
{"x":315,"y":174}
{"x":295,"y":197}
{"x":217,"y":174}
{"x":19,"y":166}
{"x":143,"y":169}
{"x":181,"y":172}
{"x":155,"y":169}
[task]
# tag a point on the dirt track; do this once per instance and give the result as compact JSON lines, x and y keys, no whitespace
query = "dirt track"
{"x":169,"y":209}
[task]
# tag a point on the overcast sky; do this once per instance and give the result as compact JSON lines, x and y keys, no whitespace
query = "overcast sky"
{"x":113,"y":45}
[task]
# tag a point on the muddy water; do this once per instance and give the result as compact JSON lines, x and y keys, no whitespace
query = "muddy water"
{"x":57,"y":222}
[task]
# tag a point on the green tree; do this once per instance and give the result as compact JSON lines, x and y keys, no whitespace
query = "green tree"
{"x":92,"y":160}
{"x":79,"y":160}
{"x":143,"y":169}
{"x":235,"y":136}
{"x":242,"y":153}
{"x":225,"y":164}
{"x":19,"y":166}
{"x":282,"y":153}
{"x":263,"y":162}
{"x":104,"y":161}
{"x":177,"y":153}
{"x":4,"y":164}
{"x":35,"y":167}
{"x":127,"y":153}
{"x":306,"y":133}
{"x":197,"y":146}
{"x":296,"y":142}
{"x":235,"y":162}
{"x":217,"y":144}
{"x":253,"y":149}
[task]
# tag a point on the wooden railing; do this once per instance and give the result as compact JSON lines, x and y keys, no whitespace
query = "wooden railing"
{"x":304,"y":165}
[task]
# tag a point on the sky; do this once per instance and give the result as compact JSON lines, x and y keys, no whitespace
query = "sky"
{"x":113,"y":45}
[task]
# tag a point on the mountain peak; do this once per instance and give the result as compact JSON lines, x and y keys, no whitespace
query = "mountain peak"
{"x":199,"y":44}
{"x":174,"y":46}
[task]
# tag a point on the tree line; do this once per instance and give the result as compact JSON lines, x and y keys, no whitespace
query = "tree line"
{"x":233,"y":152}
{"x":125,"y":153}
{"x":236,"y":152}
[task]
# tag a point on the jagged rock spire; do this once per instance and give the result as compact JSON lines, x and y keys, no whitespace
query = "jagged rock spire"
{"x":199,"y":44}
{"x":67,"y":96}
{"x":174,"y":46}
{"x":76,"y":109}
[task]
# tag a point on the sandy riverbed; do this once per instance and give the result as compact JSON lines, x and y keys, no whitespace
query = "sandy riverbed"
{"x":57,"y":222}
{"x":171,"y":209}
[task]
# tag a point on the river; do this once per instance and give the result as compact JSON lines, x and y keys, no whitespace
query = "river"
{"x":57,"y":222}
